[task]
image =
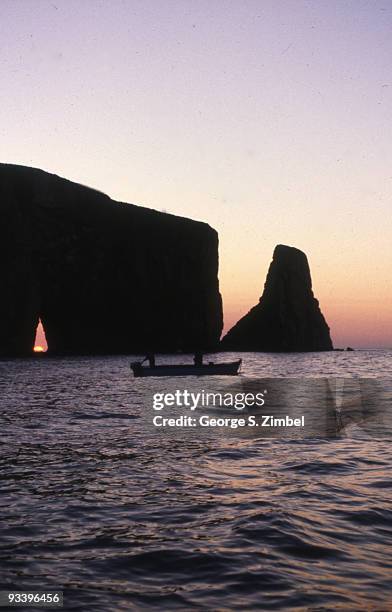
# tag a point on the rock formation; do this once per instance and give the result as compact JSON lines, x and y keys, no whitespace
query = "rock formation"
{"x":287,"y":317}
{"x":103,"y":276}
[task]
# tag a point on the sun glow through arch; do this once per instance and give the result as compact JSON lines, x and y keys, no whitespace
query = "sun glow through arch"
{"x":40,"y":344}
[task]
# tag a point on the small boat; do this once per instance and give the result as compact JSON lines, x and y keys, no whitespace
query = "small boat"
{"x":230,"y":368}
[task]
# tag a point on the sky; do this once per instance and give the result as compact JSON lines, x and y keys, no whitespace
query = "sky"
{"x":270,"y":120}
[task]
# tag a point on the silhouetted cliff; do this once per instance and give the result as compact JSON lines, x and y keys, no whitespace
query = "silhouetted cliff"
{"x":287,"y":317}
{"x":103,"y":276}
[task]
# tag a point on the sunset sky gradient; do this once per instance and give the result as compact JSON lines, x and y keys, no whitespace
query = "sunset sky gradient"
{"x":270,"y":120}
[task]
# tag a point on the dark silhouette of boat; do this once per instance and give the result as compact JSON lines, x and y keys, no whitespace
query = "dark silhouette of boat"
{"x":208,"y":369}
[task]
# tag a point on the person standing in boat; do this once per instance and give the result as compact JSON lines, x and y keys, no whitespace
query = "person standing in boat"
{"x":198,"y":358}
{"x":150,"y":357}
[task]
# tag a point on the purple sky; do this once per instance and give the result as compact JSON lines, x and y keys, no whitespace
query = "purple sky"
{"x":269,"y":120}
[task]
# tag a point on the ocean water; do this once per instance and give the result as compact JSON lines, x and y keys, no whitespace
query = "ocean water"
{"x":122,"y":515}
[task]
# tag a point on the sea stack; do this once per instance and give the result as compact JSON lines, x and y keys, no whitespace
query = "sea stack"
{"x":104,"y":277}
{"x":287,"y":317}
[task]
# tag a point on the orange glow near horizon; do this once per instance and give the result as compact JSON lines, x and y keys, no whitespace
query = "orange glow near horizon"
{"x":357,"y":313}
{"x":351,"y":284}
{"x":40,"y":344}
